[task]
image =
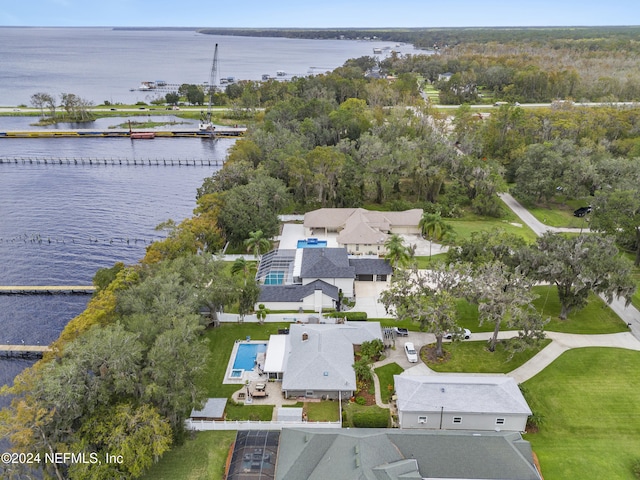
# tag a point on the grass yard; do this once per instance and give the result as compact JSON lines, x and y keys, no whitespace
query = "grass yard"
{"x":326,"y":411}
{"x":220,"y":345}
{"x":560,"y":215}
{"x":595,"y":318}
{"x":589,"y":400}
{"x":360,"y":416}
{"x":241,"y":412}
{"x":426,"y":262}
{"x":201,"y":458}
{"x":473,"y":357}
{"x":465,"y":226}
{"x":385,"y":376}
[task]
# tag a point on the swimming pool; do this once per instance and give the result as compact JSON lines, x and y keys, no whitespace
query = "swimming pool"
{"x":312,"y":243}
{"x":247,"y":354}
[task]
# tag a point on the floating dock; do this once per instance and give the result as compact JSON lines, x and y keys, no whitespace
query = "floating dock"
{"x":23,"y":351}
{"x":218,"y":133}
{"x":44,"y":289}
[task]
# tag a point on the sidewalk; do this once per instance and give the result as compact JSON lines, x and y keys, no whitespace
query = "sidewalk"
{"x":560,"y":343}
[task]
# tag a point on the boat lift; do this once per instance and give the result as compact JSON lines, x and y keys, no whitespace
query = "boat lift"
{"x":206,"y":125}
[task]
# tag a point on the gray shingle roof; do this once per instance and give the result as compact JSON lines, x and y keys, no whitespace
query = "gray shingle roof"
{"x":460,"y":393}
{"x":326,"y":263}
{"x":371,"y":266}
{"x":324,"y":360}
{"x":214,"y":408}
{"x":295,"y":293}
{"x":377,"y":454}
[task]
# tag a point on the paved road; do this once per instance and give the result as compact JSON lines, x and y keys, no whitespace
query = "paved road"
{"x":629,"y":314}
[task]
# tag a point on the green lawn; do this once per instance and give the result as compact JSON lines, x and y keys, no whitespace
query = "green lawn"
{"x":473,"y":357}
{"x":202,"y":458}
{"x":220,"y":345}
{"x":560,"y":216}
{"x":385,"y":376}
{"x":240,"y":411}
{"x":596,"y":317}
{"x":465,"y":226}
{"x":326,"y":411}
{"x":426,"y":262}
{"x":589,"y":400}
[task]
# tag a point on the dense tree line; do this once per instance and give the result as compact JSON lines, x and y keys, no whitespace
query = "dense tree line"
{"x":126,"y":372}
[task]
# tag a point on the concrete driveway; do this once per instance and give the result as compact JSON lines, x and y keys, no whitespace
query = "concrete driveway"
{"x":367,"y":299}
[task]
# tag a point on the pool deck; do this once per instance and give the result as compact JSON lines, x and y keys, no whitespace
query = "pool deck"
{"x":250,"y":375}
{"x":292,"y":232}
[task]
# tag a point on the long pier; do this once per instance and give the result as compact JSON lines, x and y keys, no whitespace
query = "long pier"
{"x":23,"y":351}
{"x":218,"y":133}
{"x":139,"y":162}
{"x":46,"y":289}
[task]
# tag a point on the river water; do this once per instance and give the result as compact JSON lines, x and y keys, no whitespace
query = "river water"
{"x":101,"y":64}
{"x":60,"y":223}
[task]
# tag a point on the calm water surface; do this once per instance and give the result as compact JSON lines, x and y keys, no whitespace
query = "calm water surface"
{"x":59,"y":224}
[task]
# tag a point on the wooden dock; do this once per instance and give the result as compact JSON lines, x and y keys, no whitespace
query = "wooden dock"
{"x":46,"y":289}
{"x":227,"y":132}
{"x":124,"y":162}
{"x":23,"y":351}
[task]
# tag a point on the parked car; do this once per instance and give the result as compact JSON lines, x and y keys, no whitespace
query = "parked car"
{"x":411,"y":353}
{"x":401,"y":332}
{"x":465,"y":333}
{"x":582,"y":211}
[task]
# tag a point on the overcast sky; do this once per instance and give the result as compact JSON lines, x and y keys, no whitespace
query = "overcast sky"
{"x":324,"y":13}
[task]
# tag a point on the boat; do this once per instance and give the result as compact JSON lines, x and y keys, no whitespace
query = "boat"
{"x":142,"y":135}
{"x":265,"y":77}
{"x":281,"y":73}
{"x":377,"y":51}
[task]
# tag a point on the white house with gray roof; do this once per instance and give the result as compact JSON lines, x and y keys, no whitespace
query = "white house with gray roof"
{"x":460,"y":402}
{"x":316,"y":360}
{"x":312,"y":278}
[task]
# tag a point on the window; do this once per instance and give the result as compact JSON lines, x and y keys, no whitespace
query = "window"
{"x":499,"y":421}
{"x":357,"y":247}
{"x":309,"y":393}
{"x":422,"y":419}
{"x":457,"y":419}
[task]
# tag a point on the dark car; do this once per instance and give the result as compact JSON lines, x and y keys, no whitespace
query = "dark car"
{"x":582,"y":211}
{"x":401,"y":332}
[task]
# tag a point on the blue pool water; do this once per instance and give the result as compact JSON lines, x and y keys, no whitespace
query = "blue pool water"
{"x":312,"y":243}
{"x":274,"y":278}
{"x":246,"y":355}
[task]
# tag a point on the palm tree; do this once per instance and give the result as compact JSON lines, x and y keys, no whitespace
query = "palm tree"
{"x":433,"y":226}
{"x":397,"y":251}
{"x":257,"y":243}
{"x":242,"y":266}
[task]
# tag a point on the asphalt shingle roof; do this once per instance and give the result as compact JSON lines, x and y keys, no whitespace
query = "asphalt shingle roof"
{"x":295,"y":293}
{"x":326,"y":263}
{"x":381,"y":454}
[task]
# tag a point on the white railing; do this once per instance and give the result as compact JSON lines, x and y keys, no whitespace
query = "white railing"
{"x":201,"y":425}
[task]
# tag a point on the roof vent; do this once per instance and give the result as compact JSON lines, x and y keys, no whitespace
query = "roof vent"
{"x":442,"y":389}
{"x":305,"y":336}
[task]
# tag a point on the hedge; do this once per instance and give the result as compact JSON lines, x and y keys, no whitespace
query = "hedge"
{"x":352,"y":316}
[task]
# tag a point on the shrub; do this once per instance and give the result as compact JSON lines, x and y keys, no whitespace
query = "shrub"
{"x":352,"y":316}
{"x":635,"y":468}
{"x":360,"y":400}
{"x":371,"y":418}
